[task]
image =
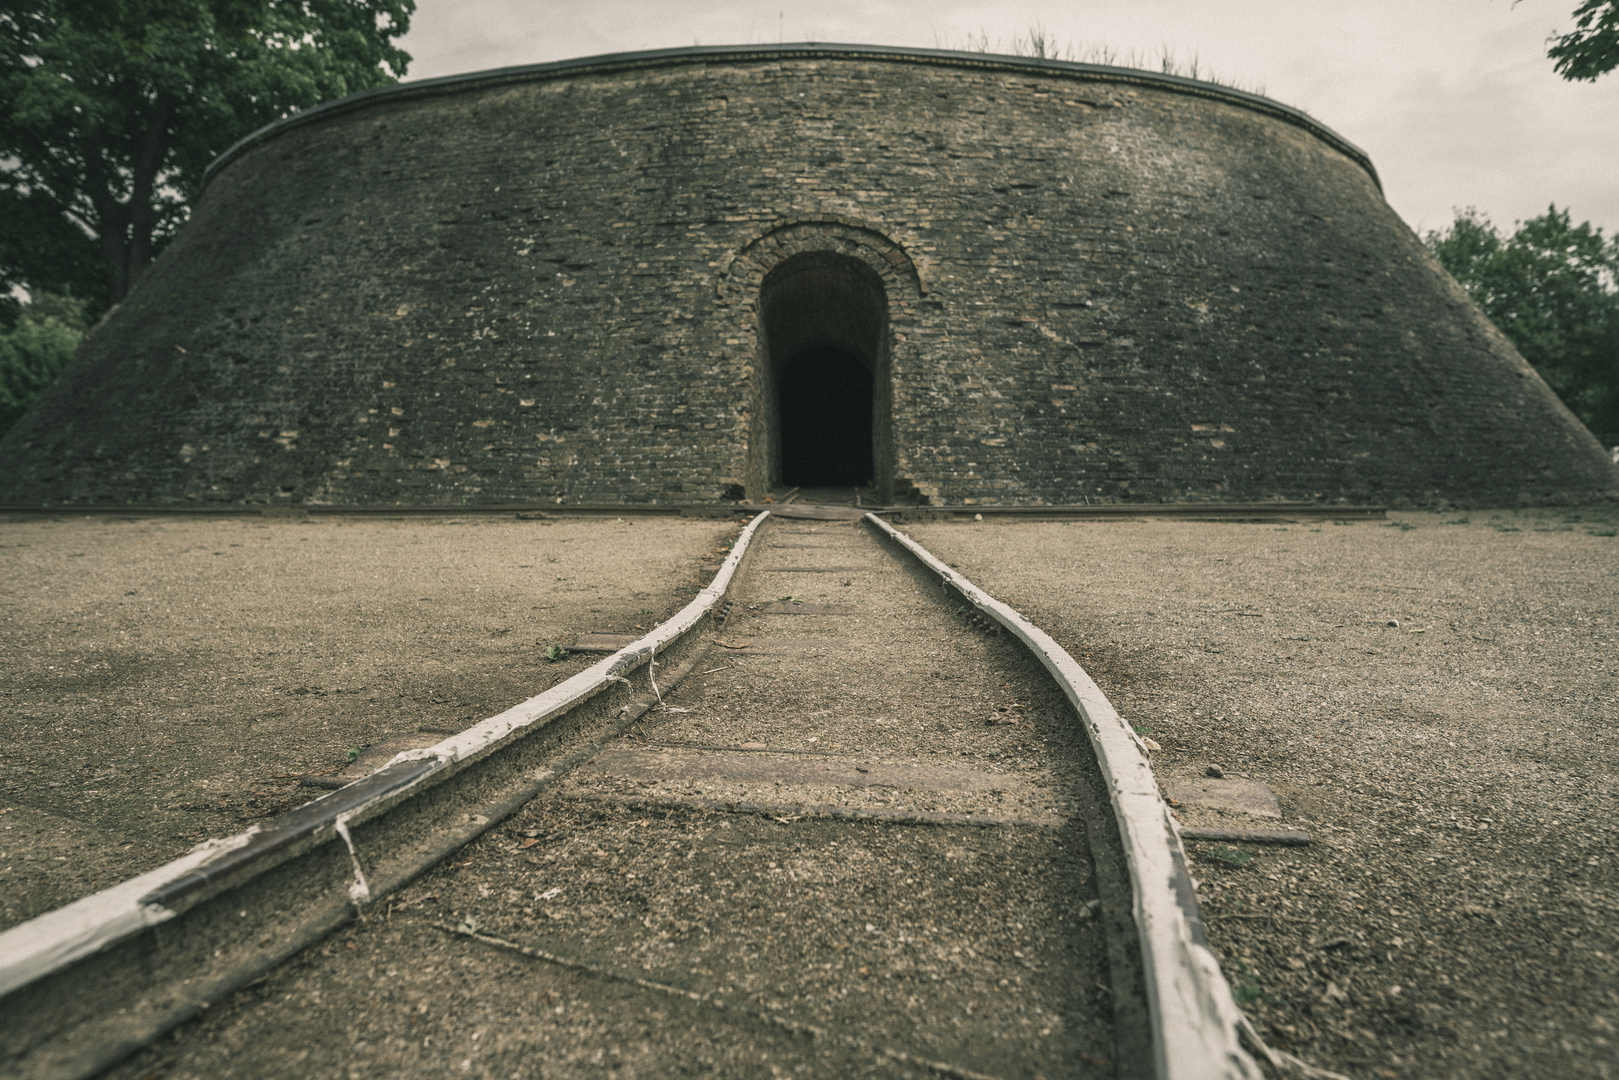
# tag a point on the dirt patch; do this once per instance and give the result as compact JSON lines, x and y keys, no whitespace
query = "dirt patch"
{"x":1431,"y":697}
{"x":168,"y":680}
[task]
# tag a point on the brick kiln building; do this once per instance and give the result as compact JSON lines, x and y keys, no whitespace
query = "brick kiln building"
{"x":686,"y":276}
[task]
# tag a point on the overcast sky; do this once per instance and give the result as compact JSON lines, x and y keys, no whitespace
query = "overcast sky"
{"x":1454,"y":100}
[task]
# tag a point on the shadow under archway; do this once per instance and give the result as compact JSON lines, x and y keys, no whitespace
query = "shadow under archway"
{"x":825,"y":409}
{"x":824,"y":393}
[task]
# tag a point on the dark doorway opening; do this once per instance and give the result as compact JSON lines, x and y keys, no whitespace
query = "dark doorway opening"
{"x":825,"y":420}
{"x":823,"y":403}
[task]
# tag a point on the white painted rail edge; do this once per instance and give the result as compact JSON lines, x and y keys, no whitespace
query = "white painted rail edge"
{"x":49,"y":942}
{"x":1195,"y":1020}
{"x":488,"y":735}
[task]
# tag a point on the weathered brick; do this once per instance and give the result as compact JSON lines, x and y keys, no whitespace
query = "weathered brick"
{"x":1100,"y":287}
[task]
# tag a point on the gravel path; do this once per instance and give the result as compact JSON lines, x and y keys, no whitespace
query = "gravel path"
{"x":166,"y":680}
{"x":838,"y":946}
{"x":1434,"y":699}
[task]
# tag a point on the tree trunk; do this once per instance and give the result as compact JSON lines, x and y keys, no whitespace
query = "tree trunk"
{"x":125,"y":227}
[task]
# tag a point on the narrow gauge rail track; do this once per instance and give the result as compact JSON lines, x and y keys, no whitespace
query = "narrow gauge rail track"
{"x":843,"y":814}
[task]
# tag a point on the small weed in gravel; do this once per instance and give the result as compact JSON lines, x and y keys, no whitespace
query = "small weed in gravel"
{"x":1245,"y":989}
{"x":1228,"y":856}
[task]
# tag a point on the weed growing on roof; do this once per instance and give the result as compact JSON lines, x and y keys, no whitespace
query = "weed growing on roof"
{"x":1039,"y":44}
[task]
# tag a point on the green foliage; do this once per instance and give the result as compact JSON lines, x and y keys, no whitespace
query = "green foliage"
{"x":37,"y":346}
{"x":1247,"y":993}
{"x":1228,"y":856}
{"x":1551,"y":288}
{"x":115,"y":107}
{"x":1592,"y":48}
{"x":44,"y":252}
{"x":554,"y":653}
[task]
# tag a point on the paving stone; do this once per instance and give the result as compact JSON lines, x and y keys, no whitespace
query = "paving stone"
{"x":1227,"y":793}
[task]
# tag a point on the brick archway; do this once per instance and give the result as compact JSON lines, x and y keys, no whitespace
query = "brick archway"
{"x":745,"y":273}
{"x":828,"y":293}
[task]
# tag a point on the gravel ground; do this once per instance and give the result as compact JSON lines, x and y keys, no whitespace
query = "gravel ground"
{"x":166,"y":680}
{"x":1433,"y":698}
{"x":972,"y":945}
{"x":1455,"y":915}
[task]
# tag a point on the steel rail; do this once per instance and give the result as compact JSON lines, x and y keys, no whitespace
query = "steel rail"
{"x":85,"y":985}
{"x":1194,"y":1022}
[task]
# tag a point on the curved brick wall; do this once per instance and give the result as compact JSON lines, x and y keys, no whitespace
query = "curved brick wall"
{"x":543,"y":285}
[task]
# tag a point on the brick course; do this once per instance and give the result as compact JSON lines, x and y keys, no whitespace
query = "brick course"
{"x":1101,"y":288}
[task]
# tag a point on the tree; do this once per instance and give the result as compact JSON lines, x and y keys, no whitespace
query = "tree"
{"x":1551,"y":288}
{"x":1592,"y":48}
{"x":34,"y":349}
{"x":115,"y":107}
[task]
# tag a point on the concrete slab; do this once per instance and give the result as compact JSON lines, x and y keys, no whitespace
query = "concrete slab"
{"x":1230,"y":793}
{"x":788,"y":646}
{"x":819,"y":780}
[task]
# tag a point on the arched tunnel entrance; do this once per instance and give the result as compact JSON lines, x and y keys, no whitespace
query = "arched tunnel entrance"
{"x":824,"y":379}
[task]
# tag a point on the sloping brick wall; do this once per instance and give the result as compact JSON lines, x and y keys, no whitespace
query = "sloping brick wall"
{"x":544,"y":289}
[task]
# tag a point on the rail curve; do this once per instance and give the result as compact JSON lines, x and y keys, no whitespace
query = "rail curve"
{"x":86,"y":985}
